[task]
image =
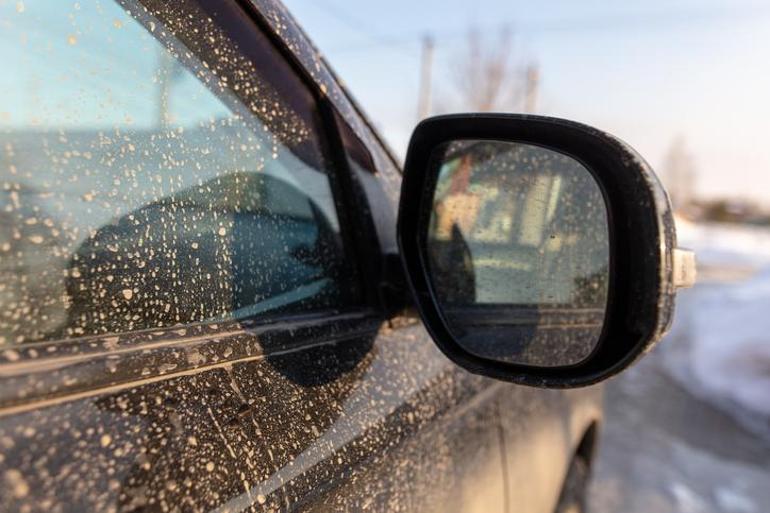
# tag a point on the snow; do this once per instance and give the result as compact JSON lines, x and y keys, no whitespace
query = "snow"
{"x":726,"y":244}
{"x":730,"y":500}
{"x":731,"y":353}
{"x":720,"y":342}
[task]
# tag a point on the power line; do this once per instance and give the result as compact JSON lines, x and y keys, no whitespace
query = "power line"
{"x":344,"y":17}
{"x":654,"y":21}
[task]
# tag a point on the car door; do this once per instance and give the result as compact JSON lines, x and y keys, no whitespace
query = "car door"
{"x":196,"y":312}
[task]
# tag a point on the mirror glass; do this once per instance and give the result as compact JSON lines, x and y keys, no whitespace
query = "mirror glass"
{"x":518,"y":252}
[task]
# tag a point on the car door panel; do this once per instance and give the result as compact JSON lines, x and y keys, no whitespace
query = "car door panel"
{"x":339,"y":424}
{"x":543,"y":430}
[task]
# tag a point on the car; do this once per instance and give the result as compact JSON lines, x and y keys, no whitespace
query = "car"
{"x":222,"y":292}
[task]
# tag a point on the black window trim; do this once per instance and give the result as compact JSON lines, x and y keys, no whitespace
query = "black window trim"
{"x":351,"y":204}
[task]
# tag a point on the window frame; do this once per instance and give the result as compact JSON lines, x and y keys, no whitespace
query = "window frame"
{"x":351,"y":212}
{"x":256,"y":42}
{"x":245,"y":24}
{"x":40,"y":373}
{"x":357,"y":226}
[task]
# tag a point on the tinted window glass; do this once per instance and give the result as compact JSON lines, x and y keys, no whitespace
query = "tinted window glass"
{"x":154,"y":175}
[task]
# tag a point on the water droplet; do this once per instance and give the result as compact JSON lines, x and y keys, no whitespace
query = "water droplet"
{"x":11,"y":355}
{"x":18,"y":484}
{"x":128,"y":293}
{"x":106,"y":440}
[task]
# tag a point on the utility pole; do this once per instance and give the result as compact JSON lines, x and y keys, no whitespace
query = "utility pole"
{"x":169,"y":71}
{"x":163,"y":76}
{"x":426,"y":68}
{"x":531,"y":84}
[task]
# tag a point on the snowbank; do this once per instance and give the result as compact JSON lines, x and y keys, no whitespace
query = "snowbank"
{"x":731,"y":343}
{"x":726,"y":244}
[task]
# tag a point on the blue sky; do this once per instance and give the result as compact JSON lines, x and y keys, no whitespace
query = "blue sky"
{"x":87,"y":63}
{"x":647,"y":71}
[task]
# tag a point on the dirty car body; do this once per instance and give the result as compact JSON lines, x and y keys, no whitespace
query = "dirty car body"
{"x":215,"y":382}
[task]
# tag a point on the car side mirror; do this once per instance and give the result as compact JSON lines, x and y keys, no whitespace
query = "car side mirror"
{"x":539,"y":251}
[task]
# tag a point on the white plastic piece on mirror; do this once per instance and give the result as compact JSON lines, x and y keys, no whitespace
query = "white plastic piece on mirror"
{"x":685,"y":269}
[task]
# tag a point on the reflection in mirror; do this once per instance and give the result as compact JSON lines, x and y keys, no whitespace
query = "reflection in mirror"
{"x":518,"y":252}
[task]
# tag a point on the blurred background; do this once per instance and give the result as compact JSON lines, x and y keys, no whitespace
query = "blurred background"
{"x":686,"y":83}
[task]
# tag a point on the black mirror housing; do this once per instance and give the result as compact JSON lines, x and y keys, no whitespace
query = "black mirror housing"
{"x":645,"y":266}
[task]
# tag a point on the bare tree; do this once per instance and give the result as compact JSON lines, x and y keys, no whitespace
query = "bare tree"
{"x":488,"y":78}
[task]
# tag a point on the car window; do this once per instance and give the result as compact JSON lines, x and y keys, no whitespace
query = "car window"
{"x":153,"y":174}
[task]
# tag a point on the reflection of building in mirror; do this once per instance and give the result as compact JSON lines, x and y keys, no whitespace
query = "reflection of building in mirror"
{"x":533,"y":221}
